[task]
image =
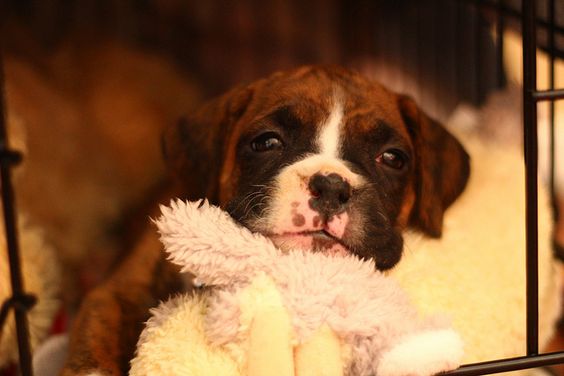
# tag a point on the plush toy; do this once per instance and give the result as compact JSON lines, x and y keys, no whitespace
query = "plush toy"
{"x":286,"y":313}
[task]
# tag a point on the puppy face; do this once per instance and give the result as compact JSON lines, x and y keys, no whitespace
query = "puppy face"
{"x":321,"y":159}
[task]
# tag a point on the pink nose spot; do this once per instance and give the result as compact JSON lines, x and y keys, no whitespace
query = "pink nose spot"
{"x":337,"y":224}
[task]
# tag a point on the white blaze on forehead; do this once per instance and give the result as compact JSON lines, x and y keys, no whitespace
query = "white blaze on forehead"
{"x":329,"y":138}
{"x":291,"y":194}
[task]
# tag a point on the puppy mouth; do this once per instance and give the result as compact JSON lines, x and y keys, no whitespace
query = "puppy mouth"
{"x":311,"y":240}
{"x":320,"y":234}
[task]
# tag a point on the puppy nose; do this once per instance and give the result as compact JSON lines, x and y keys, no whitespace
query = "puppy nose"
{"x":330,"y":193}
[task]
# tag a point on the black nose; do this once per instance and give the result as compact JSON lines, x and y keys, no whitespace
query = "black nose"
{"x":330,"y":193}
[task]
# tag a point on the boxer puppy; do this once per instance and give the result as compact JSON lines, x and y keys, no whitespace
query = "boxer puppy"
{"x":318,"y":158}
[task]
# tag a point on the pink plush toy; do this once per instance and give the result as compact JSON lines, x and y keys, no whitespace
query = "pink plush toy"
{"x":291,"y":313}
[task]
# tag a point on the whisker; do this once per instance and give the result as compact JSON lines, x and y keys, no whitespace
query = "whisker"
{"x":250,"y":206}
{"x":256,"y":200}
{"x":245,"y":199}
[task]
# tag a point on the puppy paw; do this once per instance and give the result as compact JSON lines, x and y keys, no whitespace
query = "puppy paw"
{"x":423,"y":354}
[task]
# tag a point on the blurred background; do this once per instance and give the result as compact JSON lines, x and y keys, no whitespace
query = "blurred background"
{"x":90,"y":84}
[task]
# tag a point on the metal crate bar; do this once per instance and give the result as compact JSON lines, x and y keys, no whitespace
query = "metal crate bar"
{"x":531,"y":170}
{"x":510,"y":364}
{"x":551,"y":79}
{"x":531,"y":96}
{"x":548,"y":95}
{"x":515,"y":14}
{"x":19,"y":302}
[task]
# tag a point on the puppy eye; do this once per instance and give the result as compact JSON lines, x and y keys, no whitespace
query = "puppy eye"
{"x":266,"y":142}
{"x":392,"y":158}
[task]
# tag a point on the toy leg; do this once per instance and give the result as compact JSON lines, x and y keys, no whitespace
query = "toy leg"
{"x":320,"y":356}
{"x":270,"y":351}
{"x":423,"y":354}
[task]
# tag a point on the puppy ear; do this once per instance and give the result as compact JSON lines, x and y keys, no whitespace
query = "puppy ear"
{"x":194,"y":148}
{"x":442,"y":168}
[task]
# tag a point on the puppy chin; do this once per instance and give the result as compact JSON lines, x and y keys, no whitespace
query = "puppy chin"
{"x":308,"y":243}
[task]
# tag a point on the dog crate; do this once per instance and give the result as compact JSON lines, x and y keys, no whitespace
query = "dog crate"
{"x":544,"y":31}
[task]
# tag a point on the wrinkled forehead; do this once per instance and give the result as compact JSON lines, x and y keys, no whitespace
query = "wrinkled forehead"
{"x":313,"y":95}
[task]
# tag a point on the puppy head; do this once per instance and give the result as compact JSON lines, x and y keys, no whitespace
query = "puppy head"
{"x":322,"y":159}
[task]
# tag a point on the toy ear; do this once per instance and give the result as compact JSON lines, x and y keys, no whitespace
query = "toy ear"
{"x":205,"y":241}
{"x":195,"y":145}
{"x":442,"y":168}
